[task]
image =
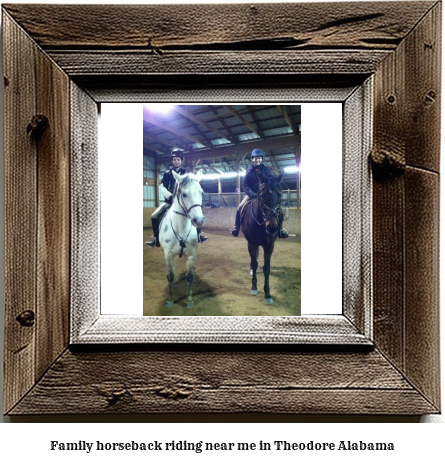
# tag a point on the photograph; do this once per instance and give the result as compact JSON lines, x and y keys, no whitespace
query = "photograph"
{"x":222,"y":209}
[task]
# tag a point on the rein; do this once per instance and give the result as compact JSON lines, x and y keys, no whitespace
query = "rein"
{"x":182,"y":242}
{"x":185,"y":212}
{"x":263,"y":206}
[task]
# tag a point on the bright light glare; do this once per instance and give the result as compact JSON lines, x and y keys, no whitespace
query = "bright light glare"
{"x":292,"y":169}
{"x":210,"y":176}
{"x":162,"y":108}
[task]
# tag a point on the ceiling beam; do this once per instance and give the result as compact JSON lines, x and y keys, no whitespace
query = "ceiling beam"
{"x":292,"y":140}
{"x":286,"y":116}
{"x":255,"y":120}
{"x":166,"y":143}
{"x":238,"y":115}
{"x":204,"y":162}
{"x":222,"y":122}
{"x":188,"y":114}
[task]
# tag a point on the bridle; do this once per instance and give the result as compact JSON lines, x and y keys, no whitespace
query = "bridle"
{"x":263,"y":207}
{"x":185,"y":212}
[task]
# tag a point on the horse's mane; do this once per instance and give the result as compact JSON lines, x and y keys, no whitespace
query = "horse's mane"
{"x":271,"y":182}
{"x":175,"y":189}
{"x":185,"y":181}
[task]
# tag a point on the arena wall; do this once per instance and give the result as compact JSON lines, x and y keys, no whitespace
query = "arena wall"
{"x":224,"y":218}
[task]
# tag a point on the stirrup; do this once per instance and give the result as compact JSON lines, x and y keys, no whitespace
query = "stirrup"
{"x":235,"y":231}
{"x":283,"y":234}
{"x":203,"y":238}
{"x":152,"y":243}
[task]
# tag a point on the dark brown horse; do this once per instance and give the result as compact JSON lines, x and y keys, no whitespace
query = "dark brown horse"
{"x":259,"y":225}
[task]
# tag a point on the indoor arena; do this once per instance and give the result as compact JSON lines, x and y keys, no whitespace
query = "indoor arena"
{"x":220,"y":142}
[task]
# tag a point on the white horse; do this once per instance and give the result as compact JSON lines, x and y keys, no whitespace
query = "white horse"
{"x":177,"y":231}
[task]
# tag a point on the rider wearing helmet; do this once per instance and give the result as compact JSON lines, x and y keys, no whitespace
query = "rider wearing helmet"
{"x":251,"y":185}
{"x":167,"y":187}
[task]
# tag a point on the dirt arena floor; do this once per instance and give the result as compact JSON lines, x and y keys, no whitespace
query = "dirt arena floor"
{"x":222,"y":285}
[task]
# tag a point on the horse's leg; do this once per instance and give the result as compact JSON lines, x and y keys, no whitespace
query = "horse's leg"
{"x":171,"y":276}
{"x":266,"y":270}
{"x":253,"y":251}
{"x":191,"y":260}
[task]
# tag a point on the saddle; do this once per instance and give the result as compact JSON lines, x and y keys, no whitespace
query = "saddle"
{"x":162,"y":214}
{"x":157,"y":225}
{"x":244,"y":209}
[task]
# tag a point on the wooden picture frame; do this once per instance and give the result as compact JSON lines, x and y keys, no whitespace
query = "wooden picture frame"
{"x":56,"y":72}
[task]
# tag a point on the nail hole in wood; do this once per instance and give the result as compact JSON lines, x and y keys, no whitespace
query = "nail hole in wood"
{"x":430,"y":97}
{"x":37,"y":126}
{"x":26,"y":318}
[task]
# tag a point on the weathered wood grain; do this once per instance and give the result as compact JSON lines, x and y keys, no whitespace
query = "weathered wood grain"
{"x":223,"y":382}
{"x":397,"y":42}
{"x":106,"y":329}
{"x":37,"y":216}
{"x":389,"y":157}
{"x":219,"y":88}
{"x":122,"y":63}
{"x":422,"y":325}
{"x":388,"y":268}
{"x":407,"y":103}
{"x":406,"y":134}
{"x":20,"y":213}
{"x":53,"y":217}
{"x":236,"y":39}
{"x":159,"y":27}
{"x":423,"y":91}
{"x":84,"y":234}
{"x":357,"y":209}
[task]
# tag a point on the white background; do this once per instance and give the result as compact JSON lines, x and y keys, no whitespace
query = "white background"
{"x":120,"y":168}
{"x":415,"y":443}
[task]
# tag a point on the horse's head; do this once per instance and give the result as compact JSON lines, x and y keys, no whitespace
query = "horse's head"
{"x":271,"y":198}
{"x":188,"y":193}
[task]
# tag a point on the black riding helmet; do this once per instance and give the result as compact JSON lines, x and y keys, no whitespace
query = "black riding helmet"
{"x":178,"y":153}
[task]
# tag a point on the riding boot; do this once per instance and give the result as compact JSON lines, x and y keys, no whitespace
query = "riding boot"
{"x":201,"y":236}
{"x":154,"y":242}
{"x":235,"y":230}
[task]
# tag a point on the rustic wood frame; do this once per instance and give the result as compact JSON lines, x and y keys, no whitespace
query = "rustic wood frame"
{"x":91,"y":325}
{"x":69,"y":57}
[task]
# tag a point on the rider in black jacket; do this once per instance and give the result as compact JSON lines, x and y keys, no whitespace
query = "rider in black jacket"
{"x":251,"y":186}
{"x":167,"y":187}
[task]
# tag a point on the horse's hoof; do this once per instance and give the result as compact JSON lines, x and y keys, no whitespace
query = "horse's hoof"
{"x":189,"y":305}
{"x":269,"y":301}
{"x":254,"y":292}
{"x":169,"y":303}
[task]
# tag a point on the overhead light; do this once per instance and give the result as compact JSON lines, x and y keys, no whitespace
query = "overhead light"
{"x":292,"y":169}
{"x":210,"y":176}
{"x":162,"y":108}
{"x":230,"y":175}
